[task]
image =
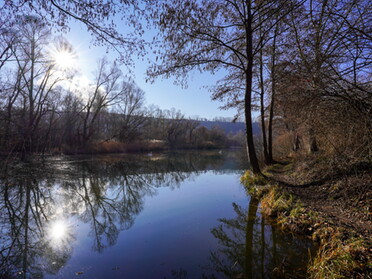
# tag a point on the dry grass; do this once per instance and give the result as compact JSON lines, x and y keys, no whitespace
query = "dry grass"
{"x":283,"y":144}
{"x":117,"y":147}
{"x":341,"y":254}
{"x":288,"y":211}
{"x":340,"y":259}
{"x":254,"y":184}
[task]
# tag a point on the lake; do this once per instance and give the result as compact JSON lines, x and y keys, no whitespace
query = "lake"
{"x":167,"y":215}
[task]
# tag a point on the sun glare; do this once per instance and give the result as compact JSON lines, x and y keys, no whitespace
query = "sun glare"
{"x":59,"y":233}
{"x":64,"y":59}
{"x":58,"y":230}
{"x":62,"y":54}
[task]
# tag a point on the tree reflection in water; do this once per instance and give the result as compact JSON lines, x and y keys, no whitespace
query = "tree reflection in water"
{"x":37,"y":203}
{"x":251,"y":248}
{"x":27,"y":209}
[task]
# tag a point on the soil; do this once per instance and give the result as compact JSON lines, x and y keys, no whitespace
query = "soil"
{"x":343,"y":199}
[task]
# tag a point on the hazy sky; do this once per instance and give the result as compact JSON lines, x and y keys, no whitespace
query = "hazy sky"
{"x":192,"y":101}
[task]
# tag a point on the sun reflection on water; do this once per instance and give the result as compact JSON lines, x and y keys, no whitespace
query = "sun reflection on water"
{"x":59,"y":233}
{"x":58,"y":230}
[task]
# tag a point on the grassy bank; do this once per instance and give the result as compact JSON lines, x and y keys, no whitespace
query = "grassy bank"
{"x":344,"y":250}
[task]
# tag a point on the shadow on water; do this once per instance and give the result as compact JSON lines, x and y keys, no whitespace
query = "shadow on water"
{"x":38,"y":202}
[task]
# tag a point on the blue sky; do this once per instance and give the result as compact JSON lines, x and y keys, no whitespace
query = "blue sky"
{"x":193,"y":101}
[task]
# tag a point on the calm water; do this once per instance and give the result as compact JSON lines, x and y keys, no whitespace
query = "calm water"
{"x":176,"y":215}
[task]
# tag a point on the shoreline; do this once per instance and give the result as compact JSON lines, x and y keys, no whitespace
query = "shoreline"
{"x":342,"y":233}
{"x":121,"y":148}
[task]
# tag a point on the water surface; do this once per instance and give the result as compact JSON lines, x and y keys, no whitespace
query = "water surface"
{"x":173,"y":215}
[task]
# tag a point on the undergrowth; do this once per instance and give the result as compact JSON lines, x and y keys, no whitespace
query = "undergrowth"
{"x":341,"y":259}
{"x":341,"y":254}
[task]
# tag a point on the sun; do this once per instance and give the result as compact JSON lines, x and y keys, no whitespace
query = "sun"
{"x":62,"y":55}
{"x":64,"y":59}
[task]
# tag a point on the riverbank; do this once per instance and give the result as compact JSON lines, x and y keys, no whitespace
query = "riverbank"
{"x":333,"y":208}
{"x":115,"y":147}
{"x":111,"y":147}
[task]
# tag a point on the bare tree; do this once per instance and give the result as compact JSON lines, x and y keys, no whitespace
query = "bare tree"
{"x":103,"y":93}
{"x":96,"y":16}
{"x":324,"y":78}
{"x":29,"y":96}
{"x":174,"y":126}
{"x":128,"y":116}
{"x":7,"y":39}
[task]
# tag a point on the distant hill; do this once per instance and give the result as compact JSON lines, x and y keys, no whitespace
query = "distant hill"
{"x":230,"y":126}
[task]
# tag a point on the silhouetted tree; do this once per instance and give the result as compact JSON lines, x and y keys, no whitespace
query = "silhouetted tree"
{"x":213,"y":35}
{"x":31,"y":87}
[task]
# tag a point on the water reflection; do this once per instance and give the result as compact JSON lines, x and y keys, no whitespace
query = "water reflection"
{"x":26,"y":206}
{"x":252,"y":248}
{"x":44,"y":206}
{"x":59,"y":233}
{"x":106,"y":192}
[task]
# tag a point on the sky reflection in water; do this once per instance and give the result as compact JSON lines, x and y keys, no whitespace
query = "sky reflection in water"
{"x":180,"y":215}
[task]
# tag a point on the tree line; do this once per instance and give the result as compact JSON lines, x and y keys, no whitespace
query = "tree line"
{"x":303,"y":64}
{"x":43,"y":111}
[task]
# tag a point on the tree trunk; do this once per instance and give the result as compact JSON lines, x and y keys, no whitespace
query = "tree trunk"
{"x":262,"y":105}
{"x":297,"y":143}
{"x":248,"y":94}
{"x":248,"y":123}
{"x":272,"y":105}
{"x":313,"y":146}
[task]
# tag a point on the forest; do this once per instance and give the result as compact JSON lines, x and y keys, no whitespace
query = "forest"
{"x":303,"y":65}
{"x":300,"y":68}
